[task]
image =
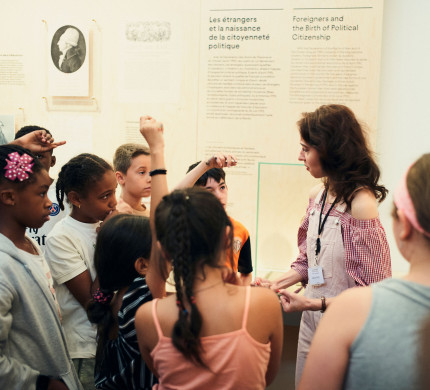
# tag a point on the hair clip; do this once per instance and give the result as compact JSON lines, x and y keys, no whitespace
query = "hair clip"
{"x":18,"y":166}
{"x":101,"y":297}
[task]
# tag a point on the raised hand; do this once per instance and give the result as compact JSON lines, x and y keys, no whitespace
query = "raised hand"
{"x":152,"y":131}
{"x":221,"y":160}
{"x":38,"y":141}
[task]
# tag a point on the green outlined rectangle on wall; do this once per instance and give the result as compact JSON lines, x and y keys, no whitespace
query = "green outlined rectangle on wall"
{"x":282,"y":198}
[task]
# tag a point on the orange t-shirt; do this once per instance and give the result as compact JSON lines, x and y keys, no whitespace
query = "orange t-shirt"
{"x":242,"y":261}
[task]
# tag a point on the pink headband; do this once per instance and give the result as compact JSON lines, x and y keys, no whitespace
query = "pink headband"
{"x":403,"y":202}
{"x":18,"y":166}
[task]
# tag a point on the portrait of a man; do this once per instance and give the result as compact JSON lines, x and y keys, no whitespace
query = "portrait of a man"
{"x":68,"y":49}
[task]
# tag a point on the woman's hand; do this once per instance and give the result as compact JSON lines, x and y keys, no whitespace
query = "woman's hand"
{"x":261,"y":282}
{"x":291,"y":301}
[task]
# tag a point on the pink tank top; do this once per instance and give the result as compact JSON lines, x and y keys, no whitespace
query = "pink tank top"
{"x":235,"y":360}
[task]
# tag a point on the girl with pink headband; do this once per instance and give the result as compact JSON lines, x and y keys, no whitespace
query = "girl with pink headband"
{"x":370,"y":337}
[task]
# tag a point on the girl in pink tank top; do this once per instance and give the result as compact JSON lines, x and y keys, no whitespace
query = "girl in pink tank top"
{"x":210,"y":334}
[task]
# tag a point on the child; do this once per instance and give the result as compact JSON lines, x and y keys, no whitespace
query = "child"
{"x":33,"y":352}
{"x":122,"y":261}
{"x":210,"y":175}
{"x":47,"y":159}
{"x":89,"y":184}
{"x":371,"y":337}
{"x":132,"y":164}
{"x":210,"y":334}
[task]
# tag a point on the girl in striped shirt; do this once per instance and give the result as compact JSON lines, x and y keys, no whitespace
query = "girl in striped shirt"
{"x":128,"y":278}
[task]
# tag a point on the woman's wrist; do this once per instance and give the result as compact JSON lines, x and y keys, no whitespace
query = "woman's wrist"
{"x":317,"y":304}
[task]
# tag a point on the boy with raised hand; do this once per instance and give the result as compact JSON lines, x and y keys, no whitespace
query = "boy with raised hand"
{"x":48,"y":160}
{"x":210,"y":174}
{"x":132,"y":163}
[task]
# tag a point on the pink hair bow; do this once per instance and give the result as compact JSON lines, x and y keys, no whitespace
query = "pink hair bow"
{"x":18,"y":166}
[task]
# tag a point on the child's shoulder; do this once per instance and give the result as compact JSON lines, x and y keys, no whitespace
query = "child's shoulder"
{"x":61,"y":228}
{"x":8,"y":254}
{"x":264,"y":295}
{"x":123,"y":207}
{"x":238,"y":226}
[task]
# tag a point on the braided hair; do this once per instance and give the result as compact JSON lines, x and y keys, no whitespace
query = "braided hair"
{"x":120,"y":242}
{"x":190,"y":225}
{"x":80,"y":174}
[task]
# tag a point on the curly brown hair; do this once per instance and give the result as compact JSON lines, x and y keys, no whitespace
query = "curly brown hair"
{"x":345,"y":157}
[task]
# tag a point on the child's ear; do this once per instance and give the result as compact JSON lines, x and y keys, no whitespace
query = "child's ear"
{"x":53,"y":160}
{"x":141,"y":266}
{"x":406,"y":226}
{"x":119,"y":178}
{"x":74,"y":198}
{"x":7,"y":196}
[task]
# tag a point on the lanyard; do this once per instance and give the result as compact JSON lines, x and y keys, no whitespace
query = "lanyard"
{"x":321,"y":226}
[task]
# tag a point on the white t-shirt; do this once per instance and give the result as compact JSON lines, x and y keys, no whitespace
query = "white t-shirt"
{"x":39,"y":235}
{"x":69,"y":252}
{"x":42,"y":265}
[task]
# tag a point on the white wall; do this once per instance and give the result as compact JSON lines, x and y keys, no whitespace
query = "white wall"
{"x":404,"y":110}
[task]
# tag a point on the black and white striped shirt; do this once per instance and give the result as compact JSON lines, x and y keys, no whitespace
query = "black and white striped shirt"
{"x":122,"y":366}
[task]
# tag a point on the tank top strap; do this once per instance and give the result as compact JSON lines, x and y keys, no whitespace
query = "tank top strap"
{"x":246,"y":308}
{"x":155,"y":317}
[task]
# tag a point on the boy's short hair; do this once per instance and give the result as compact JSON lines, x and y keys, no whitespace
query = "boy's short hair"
{"x":29,"y":129}
{"x":217,"y":174}
{"x":125,"y":154}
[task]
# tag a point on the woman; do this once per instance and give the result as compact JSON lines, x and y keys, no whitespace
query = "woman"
{"x":371,"y":336}
{"x":341,"y":240}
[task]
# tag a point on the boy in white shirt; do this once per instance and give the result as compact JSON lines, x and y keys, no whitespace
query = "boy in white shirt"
{"x":132,"y":164}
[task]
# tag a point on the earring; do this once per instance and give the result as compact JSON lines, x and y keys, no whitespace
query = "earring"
{"x":79,"y":206}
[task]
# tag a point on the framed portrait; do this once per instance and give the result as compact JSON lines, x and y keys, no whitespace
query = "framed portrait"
{"x":68,"y":62}
{"x":68,"y":49}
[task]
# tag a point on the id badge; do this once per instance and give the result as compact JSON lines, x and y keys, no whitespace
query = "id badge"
{"x":315,"y":276}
